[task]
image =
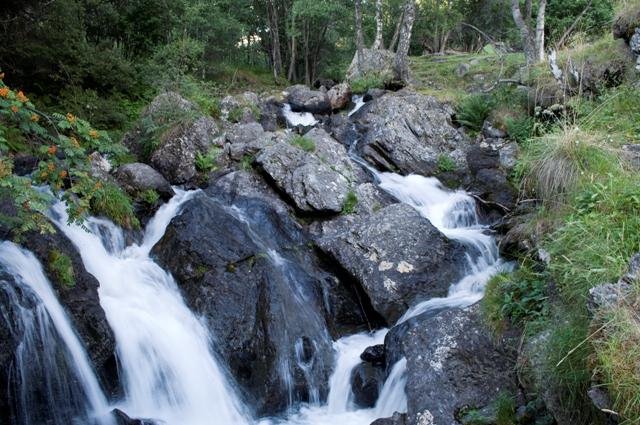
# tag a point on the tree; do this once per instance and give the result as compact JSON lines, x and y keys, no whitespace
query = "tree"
{"x":401,"y":67}
{"x":532,"y":43}
{"x":359,"y":36}
{"x":377,"y":43}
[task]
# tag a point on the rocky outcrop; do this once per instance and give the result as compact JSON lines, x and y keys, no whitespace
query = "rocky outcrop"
{"x":136,"y":178}
{"x":453,"y":362}
{"x":398,"y":257}
{"x":339,"y":96}
{"x":303,"y":99}
{"x":396,"y":419}
{"x":246,"y":140}
{"x":366,"y":383}
{"x":315,"y":177}
{"x":373,"y":61}
{"x":407,"y":132}
{"x":488,"y":177}
{"x":175,"y":157}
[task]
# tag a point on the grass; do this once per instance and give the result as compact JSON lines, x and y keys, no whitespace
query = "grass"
{"x":473,"y":111}
{"x":350,"y":203}
{"x":149,"y":196}
{"x":62,"y":267}
{"x":445,"y":163}
{"x":369,"y":81}
{"x":302,"y":142}
{"x":208,"y":161}
{"x":109,"y":201}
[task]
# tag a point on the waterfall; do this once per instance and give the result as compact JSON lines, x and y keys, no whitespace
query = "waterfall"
{"x":56,"y":382}
{"x":294,"y":119}
{"x":167,"y":368}
{"x":358,"y":102}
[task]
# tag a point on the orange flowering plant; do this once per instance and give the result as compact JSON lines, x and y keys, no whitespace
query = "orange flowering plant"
{"x":63,"y":144}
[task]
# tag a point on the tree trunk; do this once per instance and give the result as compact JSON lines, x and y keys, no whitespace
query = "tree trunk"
{"x":528,"y":42}
{"x":307,"y":69}
{"x":292,"y":59}
{"x":445,"y":40}
{"x":401,"y":67}
{"x":542,"y":9}
{"x":275,"y":39}
{"x":396,"y":33}
{"x":378,"y":44}
{"x":359,"y":36}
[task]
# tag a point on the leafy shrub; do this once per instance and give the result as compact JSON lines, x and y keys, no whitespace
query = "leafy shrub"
{"x":235,"y":114}
{"x":369,"y":81}
{"x":207,"y":162}
{"x":110,"y":201}
{"x":473,"y":111}
{"x":520,"y":128}
{"x":149,"y":196}
{"x":445,"y":163}
{"x":350,"y":203}
{"x":303,"y":143}
{"x":62,"y":267}
{"x":247,"y":162}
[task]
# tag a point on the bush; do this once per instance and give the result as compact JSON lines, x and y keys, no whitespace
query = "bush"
{"x":110,"y":201}
{"x":473,"y":111}
{"x":149,"y":197}
{"x":369,"y":81}
{"x":520,"y":128}
{"x":303,"y":143}
{"x":445,"y":163}
{"x":61,"y":266}
{"x":207,"y":162}
{"x":350,"y":203}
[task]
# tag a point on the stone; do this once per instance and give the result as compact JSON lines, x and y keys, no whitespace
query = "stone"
{"x":339,"y":96}
{"x":136,"y":177}
{"x":491,"y":132}
{"x":366,"y":382}
{"x":453,"y":361}
{"x":315,"y":181}
{"x":374,"y":355}
{"x":303,"y":99}
{"x":462,"y":70}
{"x":397,"y":256}
{"x":396,"y":419}
{"x":374,"y":61}
{"x":246,"y":139}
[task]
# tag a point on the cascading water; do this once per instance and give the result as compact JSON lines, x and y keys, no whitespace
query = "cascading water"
{"x":168,"y":370}
{"x":55,"y":381}
{"x":294,"y":119}
{"x":358,"y":102}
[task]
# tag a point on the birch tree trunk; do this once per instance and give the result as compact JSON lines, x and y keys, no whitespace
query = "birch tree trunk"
{"x":401,"y":67}
{"x":359,"y":36}
{"x":396,"y":33}
{"x":542,"y":9}
{"x":528,"y":42}
{"x":377,"y":43}
{"x":275,"y":39}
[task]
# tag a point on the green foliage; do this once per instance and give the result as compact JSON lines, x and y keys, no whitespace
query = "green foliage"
{"x":149,"y":196}
{"x":61,"y":266}
{"x":247,"y":162}
{"x":350,"y":203}
{"x":505,"y":406}
{"x":110,"y":201}
{"x":207,"y":162}
{"x":369,"y":81}
{"x":303,"y":143}
{"x":520,"y":128}
{"x":235,"y":114}
{"x":445,"y":163}
{"x":473,"y":111}
{"x":595,"y":22}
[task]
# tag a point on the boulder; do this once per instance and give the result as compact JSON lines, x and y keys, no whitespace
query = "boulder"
{"x":396,"y":419}
{"x":366,"y":382}
{"x":407,"y":132}
{"x":303,"y":99}
{"x":271,"y":117}
{"x":339,"y":96}
{"x":122,"y":418}
{"x":137,"y":177}
{"x":398,"y":257}
{"x":373,"y":61}
{"x":175,"y":157}
{"x":488,"y":178}
{"x":327,"y":83}
{"x":453,"y":362}
{"x":315,"y":177}
{"x":374,"y":355}
{"x":372,"y":94}
{"x":246,"y":139}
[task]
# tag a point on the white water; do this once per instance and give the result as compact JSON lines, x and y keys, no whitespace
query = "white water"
{"x":168,"y":370}
{"x":39,"y":352}
{"x":359,"y":102}
{"x":305,"y":119}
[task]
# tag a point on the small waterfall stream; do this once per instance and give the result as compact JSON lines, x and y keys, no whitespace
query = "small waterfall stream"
{"x":52,"y":366}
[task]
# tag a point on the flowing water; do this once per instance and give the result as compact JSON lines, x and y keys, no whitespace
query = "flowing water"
{"x":53,"y":373}
{"x":294,"y":119}
{"x":167,"y":367}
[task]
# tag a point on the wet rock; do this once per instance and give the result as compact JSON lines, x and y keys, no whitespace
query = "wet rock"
{"x":339,"y":96}
{"x":489,"y":180}
{"x":396,"y":419}
{"x":175,"y":157}
{"x":407,"y":132}
{"x":303,"y":99}
{"x":398,"y":257}
{"x":366,"y":383}
{"x":374,"y":355}
{"x":246,"y":139}
{"x":122,"y":418}
{"x":137,"y":177}
{"x":372,"y":94}
{"x":315,"y":178}
{"x":453,"y":361}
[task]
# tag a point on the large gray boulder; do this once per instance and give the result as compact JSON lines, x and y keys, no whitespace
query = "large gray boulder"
{"x":408,"y":132}
{"x":246,"y":140}
{"x":138,"y":177}
{"x":315,"y":181}
{"x":453,"y":362}
{"x":339,"y":96}
{"x":303,"y":99}
{"x":373,"y":61}
{"x":175,"y":157}
{"x":397,"y":256}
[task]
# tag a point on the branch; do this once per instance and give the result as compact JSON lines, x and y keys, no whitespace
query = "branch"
{"x":568,"y":32}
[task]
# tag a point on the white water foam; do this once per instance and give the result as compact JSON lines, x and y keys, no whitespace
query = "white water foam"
{"x":168,"y":370}
{"x":359,"y":102}
{"x":305,"y":119}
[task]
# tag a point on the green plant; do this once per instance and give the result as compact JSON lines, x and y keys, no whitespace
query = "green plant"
{"x":62,"y":267}
{"x":474,"y":110}
{"x":350,"y":203}
{"x":445,"y":163}
{"x":520,"y":128}
{"x":149,"y":196}
{"x":505,"y":406}
{"x":303,"y":143}
{"x":247,"y":162}
{"x":235,"y":114}
{"x":207,"y":162}
{"x":369,"y":81}
{"x":110,"y":201}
